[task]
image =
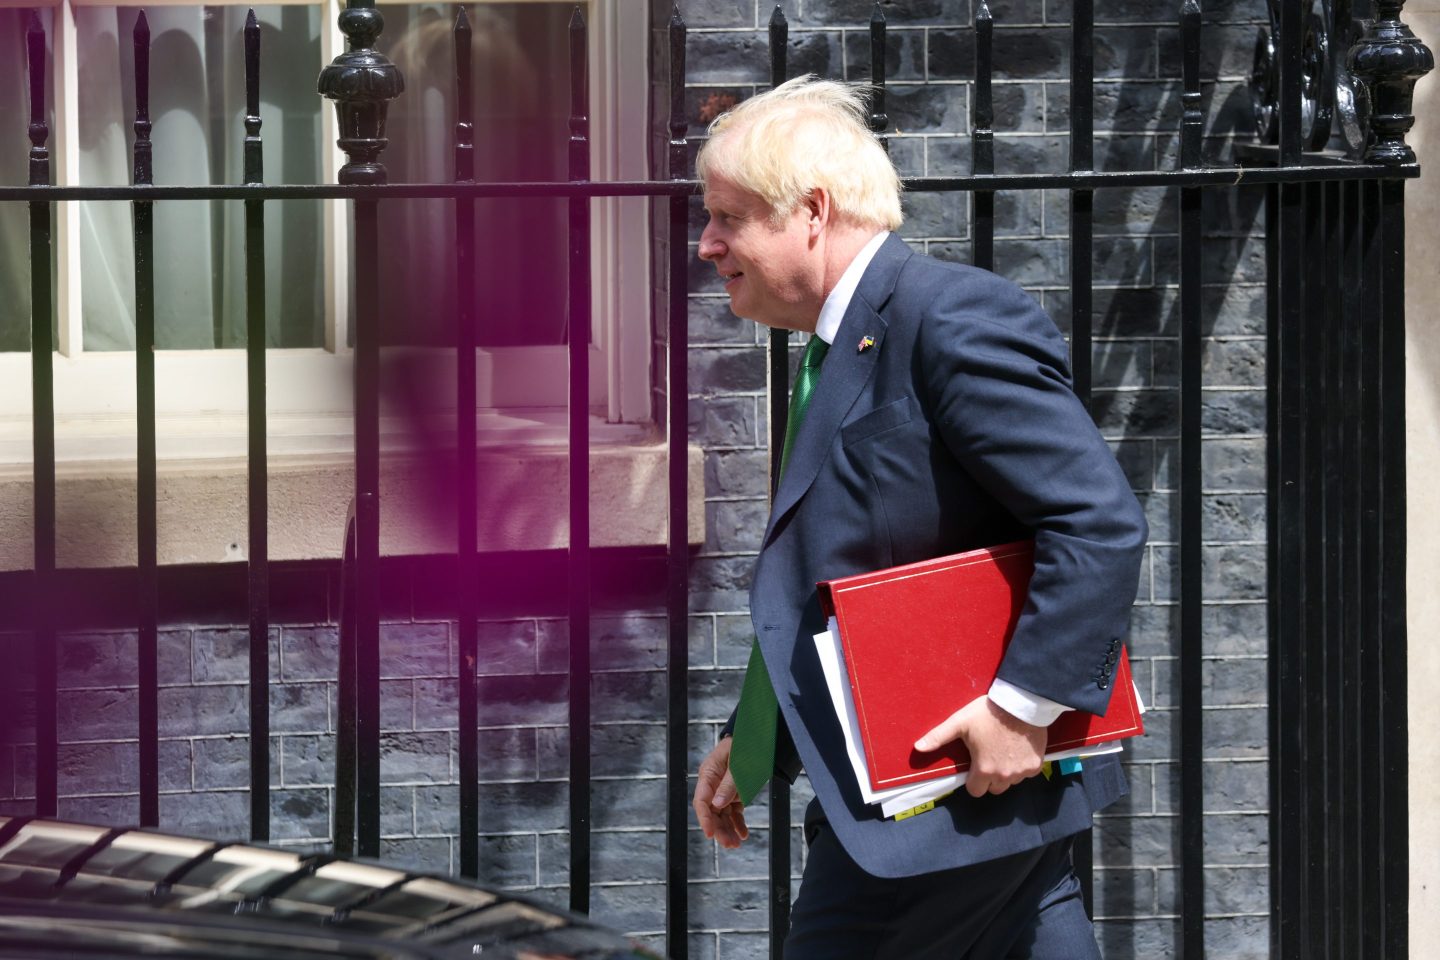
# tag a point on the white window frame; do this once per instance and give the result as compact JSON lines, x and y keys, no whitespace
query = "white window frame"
{"x":201,"y":394}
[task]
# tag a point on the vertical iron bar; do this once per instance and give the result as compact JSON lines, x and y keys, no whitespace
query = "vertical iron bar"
{"x":362,"y":81}
{"x":466,"y":479}
{"x":1338,"y":906}
{"x":1289,"y":593}
{"x":1394,"y":785}
{"x":579,"y":353}
{"x":1349,"y":811}
{"x":1313,"y":570}
{"x":1192,"y":737}
{"x":1082,"y":260}
{"x":259,"y":563}
{"x":1371,"y":673}
{"x":42,"y":392}
{"x":346,"y":780}
{"x":779,"y":793}
{"x":367,"y":528}
{"x":677,"y":600}
{"x":982,"y":139}
{"x":878,"y":120}
{"x":145,"y":439}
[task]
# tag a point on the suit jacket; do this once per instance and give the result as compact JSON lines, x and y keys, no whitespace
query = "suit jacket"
{"x":957,"y":429}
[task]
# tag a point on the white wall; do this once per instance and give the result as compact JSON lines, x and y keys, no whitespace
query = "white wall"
{"x":1422,"y":284}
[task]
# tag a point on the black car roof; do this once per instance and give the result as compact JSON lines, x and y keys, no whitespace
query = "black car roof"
{"x":75,"y":889}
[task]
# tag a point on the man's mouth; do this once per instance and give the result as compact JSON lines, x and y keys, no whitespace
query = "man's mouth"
{"x":730,"y":278}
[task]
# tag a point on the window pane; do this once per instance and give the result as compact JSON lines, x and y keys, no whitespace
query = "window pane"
{"x":197,"y":107}
{"x":521,"y":76}
{"x":15,"y":169}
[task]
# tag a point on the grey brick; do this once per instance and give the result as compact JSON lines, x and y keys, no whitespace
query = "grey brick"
{"x":629,"y":856}
{"x":904,"y":55}
{"x":729,"y":905}
{"x":1136,"y":413}
{"x":508,"y":861}
{"x":224,"y":762}
{"x":1141,"y":798}
{"x":437,"y":809}
{"x":506,"y":754}
{"x":1237,"y":890}
{"x":115,"y":767}
{"x":713,"y":370}
{"x":513,"y":807}
{"x":1232,"y":785}
{"x":553,"y":854}
{"x":309,"y":653}
{"x":1228,"y":572}
{"x":734,"y":526}
{"x":300,"y":707}
{"x":640,"y":907}
{"x":507,"y":647}
{"x":415,"y":650}
{"x":723,"y":421}
{"x":214,"y":815}
{"x":701,"y":641}
{"x":737,"y":473}
{"x":408,"y":757}
{"x":1124,"y":893}
{"x":397,"y":811}
{"x":307,"y":759}
{"x":1238,"y":363}
{"x":1133,"y":841}
{"x":934,"y":215}
{"x":1226,"y":682}
{"x":1032,"y":262}
{"x":721,"y":584}
{"x":721,"y":13}
{"x":856,"y":13}
{"x":223,"y":656}
{"x":713,"y":693}
{"x":1239,"y":732}
{"x":436,"y":703}
{"x":1233,"y":464}
{"x":97,"y":714}
{"x":628,"y":696}
{"x":627,"y":803}
{"x":734,"y":636}
{"x":212,"y":709}
{"x":507,"y":700}
{"x":1232,"y":411}
{"x":1031,"y":154}
{"x":925,"y":109}
{"x":300,"y":814}
{"x":1153,"y":939}
{"x":427,"y":854}
{"x":627,"y":749}
{"x":107,"y":811}
{"x":735,"y":58}
{"x":628,"y":643}
{"x":1137,"y":460}
{"x":711,"y":321}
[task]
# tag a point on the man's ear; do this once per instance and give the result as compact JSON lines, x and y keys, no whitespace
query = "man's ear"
{"x":819,"y":213}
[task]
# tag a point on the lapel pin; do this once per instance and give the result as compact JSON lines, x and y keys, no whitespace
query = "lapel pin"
{"x":865,"y":344}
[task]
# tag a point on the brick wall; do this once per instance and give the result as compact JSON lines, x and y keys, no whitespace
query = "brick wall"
{"x":523,"y":684}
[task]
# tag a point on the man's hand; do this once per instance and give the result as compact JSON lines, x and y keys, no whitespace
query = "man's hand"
{"x":1003,"y":749}
{"x":717,"y":807}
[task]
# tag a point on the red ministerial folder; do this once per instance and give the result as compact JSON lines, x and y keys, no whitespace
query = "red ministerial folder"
{"x":924,"y":639}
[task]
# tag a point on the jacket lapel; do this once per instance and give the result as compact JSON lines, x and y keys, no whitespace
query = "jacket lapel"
{"x":845,"y":372}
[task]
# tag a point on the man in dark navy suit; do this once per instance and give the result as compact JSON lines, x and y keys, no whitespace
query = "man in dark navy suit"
{"x":933,"y":414}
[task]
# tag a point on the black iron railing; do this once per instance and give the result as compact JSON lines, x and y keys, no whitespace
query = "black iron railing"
{"x":1335,"y":234}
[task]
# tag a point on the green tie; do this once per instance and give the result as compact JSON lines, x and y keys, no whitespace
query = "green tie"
{"x":752,"y":752}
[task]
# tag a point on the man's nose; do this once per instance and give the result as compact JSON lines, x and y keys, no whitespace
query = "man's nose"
{"x":710,"y":248}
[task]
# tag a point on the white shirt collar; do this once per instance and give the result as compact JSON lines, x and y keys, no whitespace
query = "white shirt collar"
{"x":839,"y":300}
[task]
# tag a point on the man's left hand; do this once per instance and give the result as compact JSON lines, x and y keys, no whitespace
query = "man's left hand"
{"x":1003,"y":749}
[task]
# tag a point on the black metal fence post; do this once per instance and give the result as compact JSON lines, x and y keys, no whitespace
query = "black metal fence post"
{"x":677,"y":428}
{"x":579,"y":433}
{"x":259,"y":510}
{"x":779,"y":415}
{"x":982,"y":139}
{"x":42,"y":392}
{"x":466,"y":479}
{"x":362,"y":82}
{"x":147,"y":595}
{"x":1192,"y":741}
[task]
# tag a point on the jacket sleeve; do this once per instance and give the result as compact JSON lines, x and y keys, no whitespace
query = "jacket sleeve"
{"x":996,"y":381}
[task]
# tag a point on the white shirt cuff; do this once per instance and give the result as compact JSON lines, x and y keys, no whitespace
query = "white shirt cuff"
{"x":1024,"y":705}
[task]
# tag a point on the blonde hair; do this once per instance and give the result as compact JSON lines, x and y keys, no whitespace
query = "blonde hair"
{"x":806,"y":134}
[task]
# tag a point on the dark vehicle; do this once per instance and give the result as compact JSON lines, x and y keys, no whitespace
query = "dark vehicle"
{"x":72,"y":890}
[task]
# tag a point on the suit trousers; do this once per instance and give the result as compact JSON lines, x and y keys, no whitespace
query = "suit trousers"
{"x":1026,"y":905}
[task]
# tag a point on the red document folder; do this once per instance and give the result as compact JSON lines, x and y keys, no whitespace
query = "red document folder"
{"x":924,"y":639}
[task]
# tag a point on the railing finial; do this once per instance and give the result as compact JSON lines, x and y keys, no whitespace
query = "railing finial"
{"x":1388,"y":59}
{"x":362,"y":82}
